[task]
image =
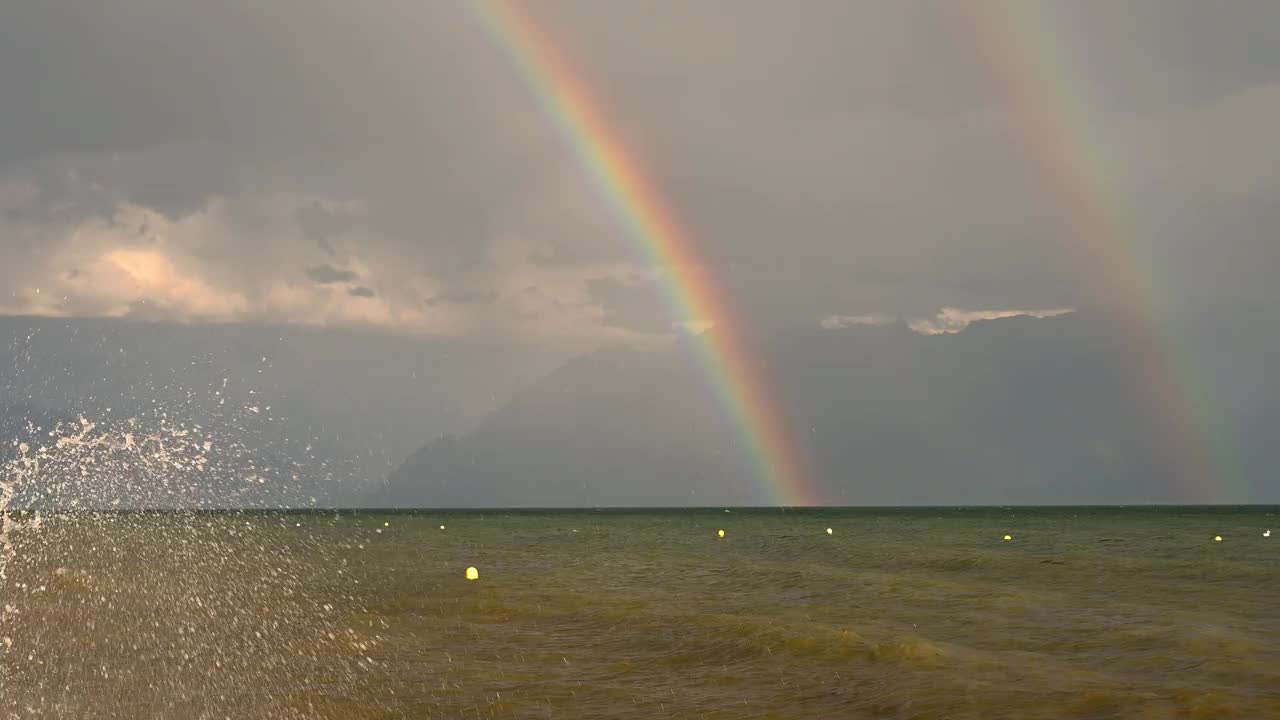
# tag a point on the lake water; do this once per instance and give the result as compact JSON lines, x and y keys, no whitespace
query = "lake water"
{"x":923,"y":613}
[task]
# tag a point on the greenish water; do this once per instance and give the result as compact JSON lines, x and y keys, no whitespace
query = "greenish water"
{"x":1088,"y":613}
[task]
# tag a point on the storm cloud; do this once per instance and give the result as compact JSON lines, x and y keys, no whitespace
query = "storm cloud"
{"x":830,"y":161}
{"x":327,"y":274}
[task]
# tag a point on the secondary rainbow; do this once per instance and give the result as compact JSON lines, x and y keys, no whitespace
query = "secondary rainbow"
{"x":691,"y":291}
{"x":1049,"y":98}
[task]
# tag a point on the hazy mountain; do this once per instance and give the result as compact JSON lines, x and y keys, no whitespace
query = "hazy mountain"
{"x":1019,"y":410}
{"x":613,"y":427}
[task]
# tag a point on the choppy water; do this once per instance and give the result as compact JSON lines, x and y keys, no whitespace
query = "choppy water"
{"x":1085,"y":613}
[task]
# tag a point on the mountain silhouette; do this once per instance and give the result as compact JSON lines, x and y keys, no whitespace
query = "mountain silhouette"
{"x":1011,"y":411}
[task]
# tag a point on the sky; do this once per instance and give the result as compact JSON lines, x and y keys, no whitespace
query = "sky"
{"x":381,"y":165}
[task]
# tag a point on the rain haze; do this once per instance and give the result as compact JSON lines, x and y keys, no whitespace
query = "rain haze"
{"x":375,"y":217}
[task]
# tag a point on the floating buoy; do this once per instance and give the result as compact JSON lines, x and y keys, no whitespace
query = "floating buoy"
{"x":720,"y":533}
{"x":1266,"y":533}
{"x":828,"y":531}
{"x":441,"y":527}
{"x":473,"y":574}
{"x":1007,"y":538}
{"x":1217,"y":538}
{"x":386,"y":524}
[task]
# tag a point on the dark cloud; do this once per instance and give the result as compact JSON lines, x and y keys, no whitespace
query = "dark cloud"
{"x":462,"y":296}
{"x":328,"y":274}
{"x":174,"y":179}
{"x":360,"y":291}
{"x":1165,"y":54}
{"x":635,"y":306}
{"x":835,"y":159}
{"x":323,"y":224}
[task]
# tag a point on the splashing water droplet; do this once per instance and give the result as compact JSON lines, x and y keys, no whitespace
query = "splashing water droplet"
{"x":202,"y":582}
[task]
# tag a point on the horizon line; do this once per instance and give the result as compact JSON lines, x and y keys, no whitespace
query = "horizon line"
{"x":627,"y":508}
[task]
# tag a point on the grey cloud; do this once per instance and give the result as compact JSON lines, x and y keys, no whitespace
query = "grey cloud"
{"x":173,"y":179}
{"x":328,"y":274}
{"x":1165,"y":54}
{"x":828,"y":158}
{"x":54,"y":190}
{"x":297,"y":79}
{"x":360,"y":291}
{"x":463,"y":296}
{"x":632,"y":306}
{"x":322,"y":224}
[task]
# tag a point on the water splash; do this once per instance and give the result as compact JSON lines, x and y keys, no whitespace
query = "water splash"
{"x":115,"y":574}
{"x":8,"y":485}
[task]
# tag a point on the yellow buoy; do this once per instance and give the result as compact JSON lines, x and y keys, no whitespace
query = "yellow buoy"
{"x":720,"y":533}
{"x":1217,"y":538}
{"x":386,"y":524}
{"x":473,"y":574}
{"x":828,"y":531}
{"x":1007,"y":538}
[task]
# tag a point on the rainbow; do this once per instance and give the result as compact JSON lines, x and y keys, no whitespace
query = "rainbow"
{"x":690,"y":290}
{"x":1048,"y":97}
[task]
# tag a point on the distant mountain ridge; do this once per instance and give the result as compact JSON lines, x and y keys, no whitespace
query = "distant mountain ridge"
{"x":1016,"y":410}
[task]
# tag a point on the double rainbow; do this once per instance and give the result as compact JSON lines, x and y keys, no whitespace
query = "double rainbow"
{"x":1049,"y":100}
{"x":690,"y":289}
